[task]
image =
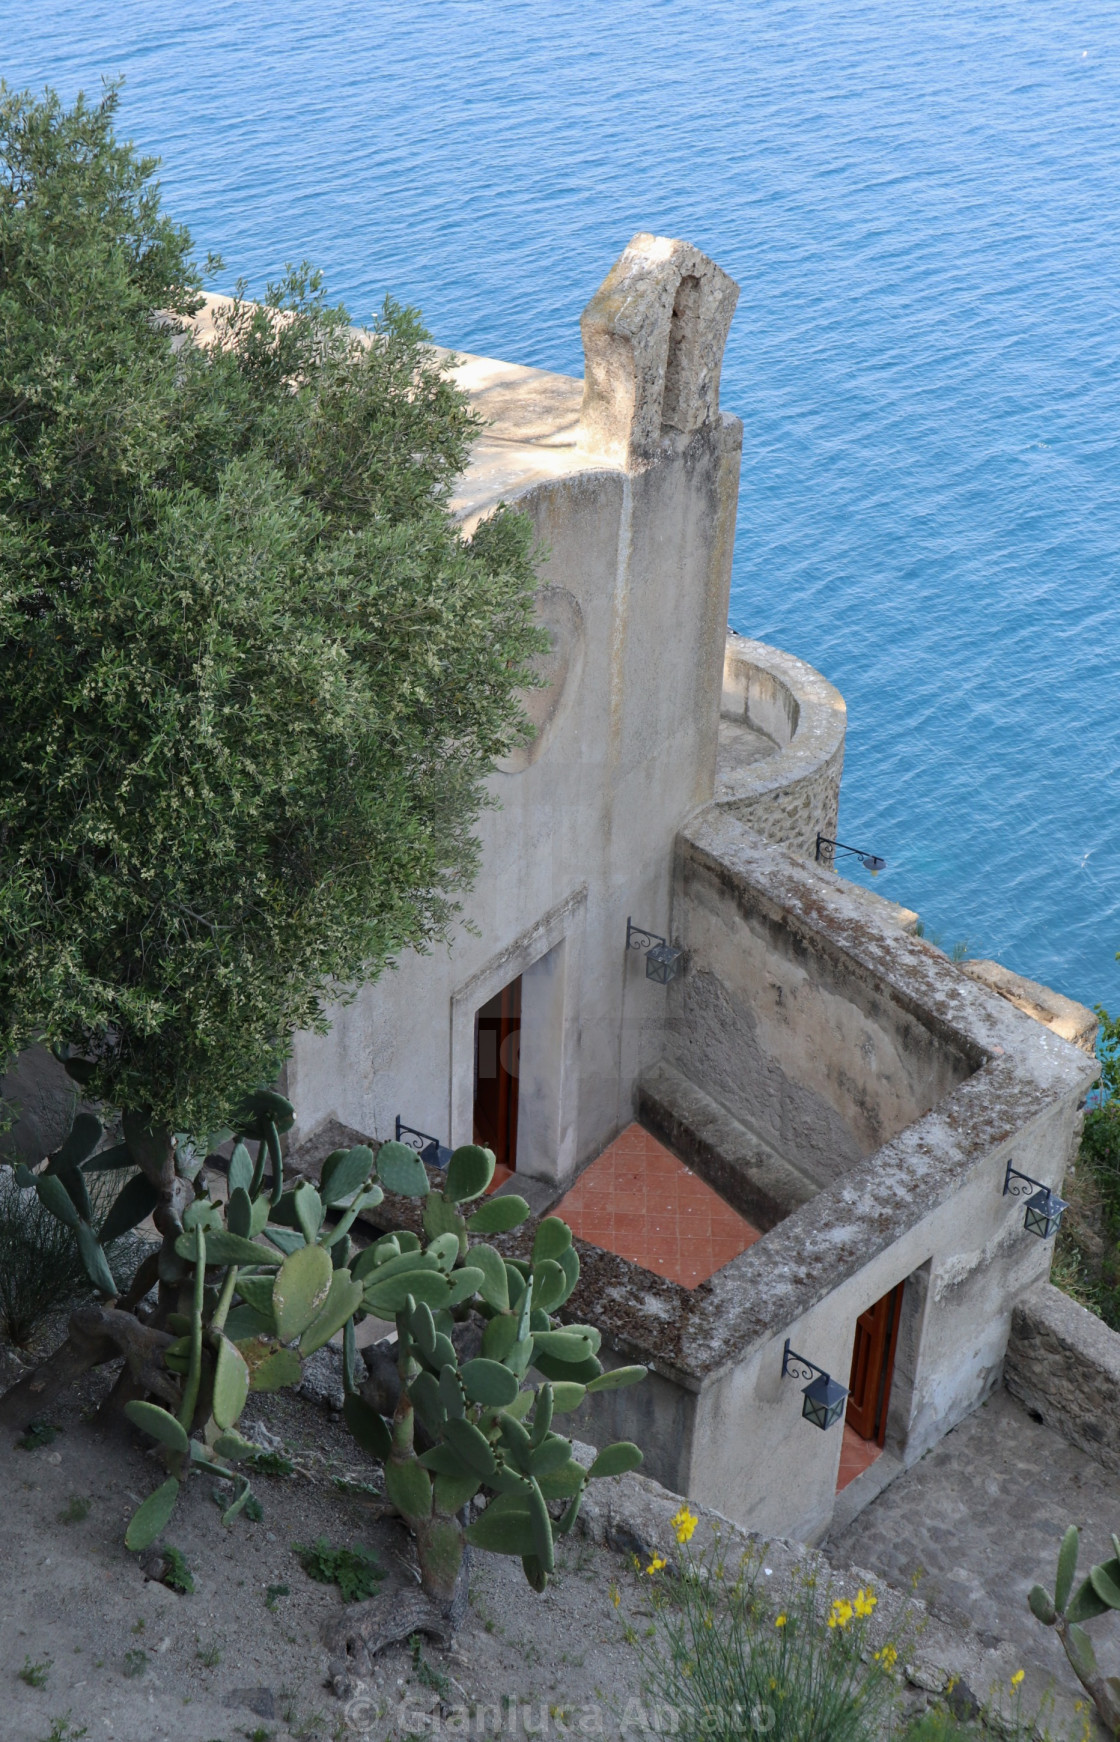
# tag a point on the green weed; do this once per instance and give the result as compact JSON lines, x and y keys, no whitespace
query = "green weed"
{"x":76,"y":1508}
{"x":355,"y":1571}
{"x":35,"y":1674}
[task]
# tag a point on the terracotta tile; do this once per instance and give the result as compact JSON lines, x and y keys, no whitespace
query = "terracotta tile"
{"x":638,"y":1200}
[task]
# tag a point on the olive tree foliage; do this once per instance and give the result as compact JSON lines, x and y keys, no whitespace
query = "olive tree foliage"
{"x":253,"y":676}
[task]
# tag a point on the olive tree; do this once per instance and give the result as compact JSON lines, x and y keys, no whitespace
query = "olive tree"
{"x":254,"y":677}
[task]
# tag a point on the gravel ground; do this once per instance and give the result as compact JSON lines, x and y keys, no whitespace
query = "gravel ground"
{"x":242,"y":1657}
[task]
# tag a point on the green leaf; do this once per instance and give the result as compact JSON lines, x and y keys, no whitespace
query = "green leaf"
{"x":240,"y":1169}
{"x":409,"y":1488}
{"x":444,"y":1460}
{"x":245,"y":1321}
{"x":569,"y":1264}
{"x":288,"y":1240}
{"x":54,"y":1197}
{"x":490,"y":1383}
{"x":425,"y":1394}
{"x":1079,"y":1650}
{"x":499,"y":1337}
{"x":231,"y":1384}
{"x":367,"y":1427}
{"x":344,"y":1173}
{"x":445,"y":1250}
{"x":160,"y":1423}
{"x":616,"y":1460}
{"x":567,"y":1345}
{"x":552,"y":1454}
{"x":407,"y":1263}
{"x":542,"y":1529}
{"x":616,"y":1377}
{"x":452,"y":1399}
{"x":150,"y":1519}
{"x":81,"y":1141}
{"x":223,"y":1248}
{"x":134,"y":1202}
{"x":1086,"y":1605}
{"x":469,"y":1172}
{"x":108,"y":1160}
{"x":452,"y":1492}
{"x":551,"y":1239}
{"x":261,"y":1106}
{"x":342,"y":1302}
{"x":1106,"y":1583}
{"x":441,"y":1217}
{"x":257,"y":1290}
{"x":281,"y":1368}
{"x":473,"y":1447}
{"x":465,"y":1282}
{"x":239,"y":1213}
{"x":494,"y":1287}
{"x":400,"y":1170}
{"x":1067,"y":1567}
{"x":505,"y":1527}
{"x":233,"y":1445}
{"x":94,"y":1262}
{"x":1041,"y":1606}
{"x":300,"y":1290}
{"x":385,"y":1299}
{"x":498,"y":1215}
{"x":309,"y":1211}
{"x":550,"y":1286}
{"x":563,"y":1482}
{"x":566,"y":1396}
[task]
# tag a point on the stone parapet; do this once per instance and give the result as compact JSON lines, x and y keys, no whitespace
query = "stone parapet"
{"x":792,"y":794}
{"x":1062,"y":1016}
{"x":1063,"y":1365}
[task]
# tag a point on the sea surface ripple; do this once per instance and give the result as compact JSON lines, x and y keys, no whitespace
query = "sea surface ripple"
{"x":919,"y":201}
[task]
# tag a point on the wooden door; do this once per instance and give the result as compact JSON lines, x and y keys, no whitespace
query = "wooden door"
{"x":497,"y":1041}
{"x":873,"y":1366}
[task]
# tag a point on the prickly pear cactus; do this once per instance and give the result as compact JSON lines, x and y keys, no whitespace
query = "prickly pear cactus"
{"x":250,"y":1287}
{"x":479,"y":1426}
{"x":1096,"y":1595}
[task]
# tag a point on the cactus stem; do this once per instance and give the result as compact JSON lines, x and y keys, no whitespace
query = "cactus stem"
{"x":272,"y":1139}
{"x":194,"y":1373}
{"x":225,"y":1300}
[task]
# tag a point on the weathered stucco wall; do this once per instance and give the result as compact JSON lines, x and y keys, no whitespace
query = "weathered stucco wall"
{"x":785,"y":1028}
{"x":926,"y":1208}
{"x":635,"y":580}
{"x":1064,"y":1366}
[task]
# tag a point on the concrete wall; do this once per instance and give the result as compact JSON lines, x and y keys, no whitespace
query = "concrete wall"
{"x":781,"y":1025}
{"x":976,"y":1082}
{"x":1063,"y":1364}
{"x":634,"y":590}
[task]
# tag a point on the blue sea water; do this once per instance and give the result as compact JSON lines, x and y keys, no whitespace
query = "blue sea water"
{"x":920,"y":203}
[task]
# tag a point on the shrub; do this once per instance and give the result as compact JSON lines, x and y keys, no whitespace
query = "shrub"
{"x":41,"y":1270}
{"x":727,"y":1659}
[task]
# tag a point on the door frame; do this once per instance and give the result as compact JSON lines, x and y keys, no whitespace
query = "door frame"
{"x":548,"y":1098}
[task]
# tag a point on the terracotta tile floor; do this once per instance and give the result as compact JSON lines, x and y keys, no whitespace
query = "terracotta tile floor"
{"x":856,"y":1455}
{"x":638,"y":1200}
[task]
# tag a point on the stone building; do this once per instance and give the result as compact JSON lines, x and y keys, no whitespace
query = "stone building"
{"x":852,"y":1097}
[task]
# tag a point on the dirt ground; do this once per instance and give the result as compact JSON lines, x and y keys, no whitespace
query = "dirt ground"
{"x":242,"y":1656}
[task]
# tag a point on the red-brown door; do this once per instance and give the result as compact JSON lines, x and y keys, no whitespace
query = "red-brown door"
{"x":873,"y":1366}
{"x":497,"y":1042}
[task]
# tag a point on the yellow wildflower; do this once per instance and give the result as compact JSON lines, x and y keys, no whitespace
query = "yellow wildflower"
{"x":1017,"y":1677}
{"x":781,"y":1620}
{"x":865,"y":1601}
{"x":888,"y":1656}
{"x":841,"y":1613}
{"x":615,"y":1594}
{"x":656,"y":1564}
{"x":684,"y":1523}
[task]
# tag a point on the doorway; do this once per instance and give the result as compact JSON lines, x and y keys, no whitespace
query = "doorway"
{"x":497,"y":1061}
{"x":869,"y":1385}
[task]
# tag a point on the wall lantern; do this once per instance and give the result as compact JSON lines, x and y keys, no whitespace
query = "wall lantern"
{"x":663,"y":959}
{"x":1044,"y":1208}
{"x":824,"y":1398}
{"x":870,"y":861}
{"x":430,"y":1150}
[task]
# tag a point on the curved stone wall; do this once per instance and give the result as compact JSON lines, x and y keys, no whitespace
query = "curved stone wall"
{"x":781,"y":745}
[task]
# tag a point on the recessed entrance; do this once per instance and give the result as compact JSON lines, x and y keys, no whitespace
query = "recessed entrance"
{"x":497,"y":1049}
{"x":869,"y":1386}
